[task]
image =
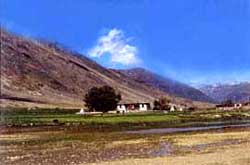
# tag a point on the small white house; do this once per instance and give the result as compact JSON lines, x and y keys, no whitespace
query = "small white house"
{"x":143,"y":107}
{"x":124,"y":107}
{"x":238,"y":106}
{"x":121,"y":108}
{"x":175,"y":107}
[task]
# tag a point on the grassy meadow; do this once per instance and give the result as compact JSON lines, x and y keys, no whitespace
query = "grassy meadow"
{"x":151,"y":119}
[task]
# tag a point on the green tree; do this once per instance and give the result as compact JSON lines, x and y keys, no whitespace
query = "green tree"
{"x":162,"y":104}
{"x":102,"y":99}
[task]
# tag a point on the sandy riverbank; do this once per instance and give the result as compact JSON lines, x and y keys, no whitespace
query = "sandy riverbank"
{"x":217,"y":148}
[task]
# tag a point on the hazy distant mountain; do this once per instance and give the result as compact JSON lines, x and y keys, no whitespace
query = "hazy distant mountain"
{"x":221,"y":92}
{"x":167,"y":85}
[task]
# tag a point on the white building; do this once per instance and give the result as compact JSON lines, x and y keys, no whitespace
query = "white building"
{"x":143,"y":107}
{"x":124,"y":107}
{"x":172,"y":108}
{"x":121,"y":108}
{"x":175,"y":107}
{"x":238,"y":106}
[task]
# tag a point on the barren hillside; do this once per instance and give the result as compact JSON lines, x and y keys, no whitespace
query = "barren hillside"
{"x":44,"y":73}
{"x":32,"y":71}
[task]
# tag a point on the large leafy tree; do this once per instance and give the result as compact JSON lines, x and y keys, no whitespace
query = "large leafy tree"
{"x":102,"y":99}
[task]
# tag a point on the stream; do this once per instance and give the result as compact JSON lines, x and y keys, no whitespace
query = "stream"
{"x":185,"y":129}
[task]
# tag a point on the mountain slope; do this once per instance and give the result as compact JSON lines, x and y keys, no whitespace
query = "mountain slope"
{"x":45,"y":73}
{"x":237,"y":92}
{"x":42,"y":73}
{"x":164,"y":84}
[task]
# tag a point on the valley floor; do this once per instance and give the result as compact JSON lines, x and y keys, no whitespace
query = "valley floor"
{"x":227,"y":155}
{"x":47,"y":136}
{"x":44,"y":146}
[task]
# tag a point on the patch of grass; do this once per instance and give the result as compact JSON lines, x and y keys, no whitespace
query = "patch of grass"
{"x":24,"y":117}
{"x":69,"y":118}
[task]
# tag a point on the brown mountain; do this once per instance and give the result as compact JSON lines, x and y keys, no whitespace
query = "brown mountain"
{"x":166,"y":85}
{"x":222,"y":92}
{"x":43,"y":73}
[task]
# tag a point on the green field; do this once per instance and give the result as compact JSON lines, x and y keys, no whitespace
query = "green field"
{"x":45,"y":117}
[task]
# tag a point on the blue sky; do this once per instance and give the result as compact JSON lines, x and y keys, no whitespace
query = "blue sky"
{"x":194,"y":41}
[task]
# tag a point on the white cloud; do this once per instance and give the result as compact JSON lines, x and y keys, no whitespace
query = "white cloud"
{"x":115,"y":44}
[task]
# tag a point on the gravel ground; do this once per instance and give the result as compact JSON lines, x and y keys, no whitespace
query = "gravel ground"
{"x":221,"y":146}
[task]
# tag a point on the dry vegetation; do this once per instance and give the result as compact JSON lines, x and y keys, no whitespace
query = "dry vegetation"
{"x":39,"y":145}
{"x":227,"y":148}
